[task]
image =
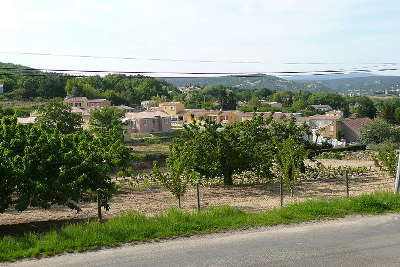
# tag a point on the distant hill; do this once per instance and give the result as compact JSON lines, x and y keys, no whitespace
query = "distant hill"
{"x":329,"y":76}
{"x":251,"y":82}
{"x":7,"y":69}
{"x":366,"y":85}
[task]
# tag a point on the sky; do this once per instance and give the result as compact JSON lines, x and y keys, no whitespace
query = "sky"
{"x":344,"y":33}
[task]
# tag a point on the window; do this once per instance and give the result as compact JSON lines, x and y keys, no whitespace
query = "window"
{"x":172,"y":108}
{"x":145,"y":122}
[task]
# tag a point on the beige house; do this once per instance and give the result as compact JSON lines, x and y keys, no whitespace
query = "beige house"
{"x":84,"y":103}
{"x":224,"y":117}
{"x":348,"y":130}
{"x":174,"y":109}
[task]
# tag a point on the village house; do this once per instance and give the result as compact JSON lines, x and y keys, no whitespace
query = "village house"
{"x":147,"y":122}
{"x":321,"y":108}
{"x":174,"y":109}
{"x":271,"y":104}
{"x":275,"y":115}
{"x":223,"y":117}
{"x":318,"y":121}
{"x":84,"y":103}
{"x":145,"y":104}
{"x":128,"y":109}
{"x":347,"y":131}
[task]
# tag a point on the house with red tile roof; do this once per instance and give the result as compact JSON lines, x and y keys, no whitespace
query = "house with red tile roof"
{"x":347,"y":131}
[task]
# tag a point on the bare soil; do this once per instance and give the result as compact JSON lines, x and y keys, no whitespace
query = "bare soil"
{"x":246,"y":197}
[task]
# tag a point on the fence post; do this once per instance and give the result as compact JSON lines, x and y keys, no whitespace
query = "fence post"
{"x":281,"y":189}
{"x":99,"y":205}
{"x":347,"y":183}
{"x":198,"y":196}
{"x":397,"y":181}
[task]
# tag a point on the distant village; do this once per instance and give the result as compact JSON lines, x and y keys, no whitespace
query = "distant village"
{"x":330,"y":126}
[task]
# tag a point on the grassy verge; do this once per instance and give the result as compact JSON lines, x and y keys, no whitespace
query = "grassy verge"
{"x":134,"y":227}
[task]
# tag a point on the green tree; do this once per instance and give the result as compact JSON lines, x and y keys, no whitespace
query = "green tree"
{"x":380,"y":131}
{"x":364,"y":107}
{"x":44,"y":167}
{"x":227,"y":99}
{"x":387,"y":158}
{"x":212,"y":151}
{"x":177,"y":180}
{"x":58,"y":115}
{"x":289,"y":160}
{"x":106,"y":119}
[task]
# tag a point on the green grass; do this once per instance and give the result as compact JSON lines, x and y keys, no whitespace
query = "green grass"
{"x":135,"y":227}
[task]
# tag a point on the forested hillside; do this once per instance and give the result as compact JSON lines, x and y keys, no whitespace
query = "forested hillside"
{"x":251,"y":82}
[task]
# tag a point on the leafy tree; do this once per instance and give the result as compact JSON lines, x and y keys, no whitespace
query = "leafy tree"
{"x":227,"y":99}
{"x":79,"y":87}
{"x":380,"y":131}
{"x":254,"y":102}
{"x":289,"y":160}
{"x":7,"y":180}
{"x":336,"y":101}
{"x":176,"y":180}
{"x":58,"y":115}
{"x":364,"y":107}
{"x":44,"y":166}
{"x":212,"y":152}
{"x":106,"y":119}
{"x":387,"y":157}
{"x":284,"y":97}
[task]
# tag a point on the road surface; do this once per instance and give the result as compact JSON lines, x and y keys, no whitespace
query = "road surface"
{"x":352,"y":241}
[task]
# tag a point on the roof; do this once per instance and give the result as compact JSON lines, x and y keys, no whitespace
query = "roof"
{"x":26,"y":120}
{"x":84,"y":112}
{"x":97,"y":100}
{"x":275,"y":115}
{"x":124,"y":107}
{"x":169,"y":103}
{"x":319,"y":117}
{"x":75,"y":99}
{"x":146,"y":115}
{"x":320,"y":106}
{"x":358,"y":124}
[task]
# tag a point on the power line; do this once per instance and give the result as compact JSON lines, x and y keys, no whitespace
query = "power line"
{"x":183,"y":60}
{"x":278,"y":73}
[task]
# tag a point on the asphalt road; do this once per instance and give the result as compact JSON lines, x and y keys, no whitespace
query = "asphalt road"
{"x":354,"y":241}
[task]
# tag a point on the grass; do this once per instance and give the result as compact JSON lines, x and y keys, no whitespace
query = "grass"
{"x":135,"y":227}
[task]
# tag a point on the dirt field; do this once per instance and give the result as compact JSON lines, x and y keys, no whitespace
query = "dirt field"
{"x":246,"y":197}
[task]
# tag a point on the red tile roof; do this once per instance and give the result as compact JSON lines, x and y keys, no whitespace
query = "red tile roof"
{"x":358,"y":124}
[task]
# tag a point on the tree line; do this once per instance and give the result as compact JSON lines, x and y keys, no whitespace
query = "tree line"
{"x":55,"y":161}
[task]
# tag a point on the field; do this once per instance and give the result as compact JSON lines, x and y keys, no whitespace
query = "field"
{"x":151,"y":199}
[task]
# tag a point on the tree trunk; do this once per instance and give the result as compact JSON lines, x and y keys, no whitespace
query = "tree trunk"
{"x":291,"y":192}
{"x":179,"y":201}
{"x":228,"y":178}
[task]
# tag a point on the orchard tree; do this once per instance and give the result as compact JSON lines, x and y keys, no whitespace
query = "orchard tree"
{"x":177,"y":179}
{"x":289,"y":160}
{"x":214,"y":151}
{"x":380,"y":131}
{"x":43,"y":166}
{"x":56,"y":114}
{"x":106,"y":120}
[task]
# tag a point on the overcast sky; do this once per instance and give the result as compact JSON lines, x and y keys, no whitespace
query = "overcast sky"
{"x":349,"y":32}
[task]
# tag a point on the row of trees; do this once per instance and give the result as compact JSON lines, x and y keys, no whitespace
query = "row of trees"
{"x":55,"y":161}
{"x":266,"y":147}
